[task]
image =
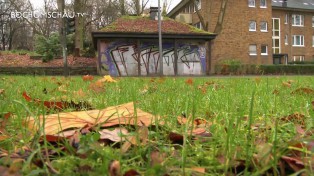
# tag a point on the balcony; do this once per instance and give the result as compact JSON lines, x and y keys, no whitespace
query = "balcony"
{"x":184,"y":18}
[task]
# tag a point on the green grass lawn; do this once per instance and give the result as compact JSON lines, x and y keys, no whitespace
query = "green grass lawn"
{"x":259,"y":125}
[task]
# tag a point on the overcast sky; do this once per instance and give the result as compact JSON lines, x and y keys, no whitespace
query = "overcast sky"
{"x":39,"y":3}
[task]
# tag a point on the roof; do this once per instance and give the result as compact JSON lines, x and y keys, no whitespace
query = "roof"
{"x":140,"y":24}
{"x":137,"y":27}
{"x":295,"y":4}
{"x":178,"y":7}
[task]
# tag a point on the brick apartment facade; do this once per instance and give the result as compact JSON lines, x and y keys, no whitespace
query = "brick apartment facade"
{"x":256,"y":31}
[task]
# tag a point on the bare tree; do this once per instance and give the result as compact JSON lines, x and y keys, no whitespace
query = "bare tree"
{"x":138,"y":6}
{"x":222,"y":11}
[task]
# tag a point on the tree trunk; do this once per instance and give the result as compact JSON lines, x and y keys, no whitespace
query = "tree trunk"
{"x":59,"y":3}
{"x":221,"y":16}
{"x":200,"y":16}
{"x":79,"y":27}
{"x":122,"y":7}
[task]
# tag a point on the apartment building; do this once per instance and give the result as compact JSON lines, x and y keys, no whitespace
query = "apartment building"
{"x":293,"y":26}
{"x":255,"y":31}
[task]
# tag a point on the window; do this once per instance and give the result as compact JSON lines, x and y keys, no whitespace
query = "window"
{"x":297,"y":20}
{"x":251,"y":3}
{"x":286,"y":18}
{"x":252,"y":26}
{"x":198,"y":25}
{"x":264,"y":50}
{"x":252,"y":50}
{"x":298,"y":58}
{"x":276,"y":36}
{"x":264,"y":26}
{"x":263,"y":4}
{"x":198,"y":5}
{"x":298,"y":40}
{"x":286,"y":40}
{"x":312,"y":21}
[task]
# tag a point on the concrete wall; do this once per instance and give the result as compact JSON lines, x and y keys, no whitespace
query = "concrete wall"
{"x":120,"y":57}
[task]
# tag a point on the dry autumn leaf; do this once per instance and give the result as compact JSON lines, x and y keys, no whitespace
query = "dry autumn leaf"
{"x":296,"y":118}
{"x":79,"y":93}
{"x":1,"y":91}
{"x":116,"y":135}
{"x":3,"y":137}
{"x":107,"y":79}
{"x":303,"y":90}
{"x":257,"y":80}
{"x":189,"y":81}
{"x":286,"y":84}
{"x":198,"y":169}
{"x":111,"y":116}
{"x":114,"y":168}
{"x":97,"y":87}
{"x":157,"y":158}
{"x":88,"y":78}
{"x":197,"y":121}
{"x":140,"y":138}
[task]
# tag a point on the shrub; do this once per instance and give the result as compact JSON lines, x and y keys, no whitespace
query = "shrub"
{"x":48,"y":57}
{"x":301,"y":62}
{"x":230,"y":66}
{"x":48,"y":47}
{"x":267,"y":69}
{"x":287,"y":69}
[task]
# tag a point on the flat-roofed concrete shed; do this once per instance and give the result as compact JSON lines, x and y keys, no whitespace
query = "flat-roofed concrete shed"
{"x":129,"y":47}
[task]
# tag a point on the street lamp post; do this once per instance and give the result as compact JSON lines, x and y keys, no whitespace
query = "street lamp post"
{"x":160,"y":40}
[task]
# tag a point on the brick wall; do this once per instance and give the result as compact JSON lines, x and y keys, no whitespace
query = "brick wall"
{"x":287,"y":29}
{"x":234,"y":40}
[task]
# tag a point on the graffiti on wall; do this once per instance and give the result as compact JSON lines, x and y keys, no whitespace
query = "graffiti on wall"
{"x":124,"y":59}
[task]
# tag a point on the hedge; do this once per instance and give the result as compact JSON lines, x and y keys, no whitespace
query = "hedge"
{"x":225,"y":69}
{"x":47,"y":70}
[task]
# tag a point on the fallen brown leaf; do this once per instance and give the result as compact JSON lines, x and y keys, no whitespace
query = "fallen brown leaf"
{"x":79,"y":93}
{"x":111,"y":116}
{"x":189,"y":81}
{"x":3,"y":138}
{"x":59,"y":105}
{"x":263,"y":156}
{"x":88,"y":78}
{"x":286,"y":84}
{"x":257,"y":80}
{"x":300,"y":130}
{"x":303,"y":91}
{"x":97,"y":87}
{"x":140,"y":139}
{"x":157,"y":158}
{"x":176,"y":138}
{"x":131,"y":172}
{"x":114,"y":168}
{"x":295,"y":163}
{"x":2,"y":91}
{"x":198,"y":169}
{"x":107,"y":79}
{"x":116,"y":135}
{"x":197,"y":121}
{"x":276,"y":92}
{"x":296,"y":118}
